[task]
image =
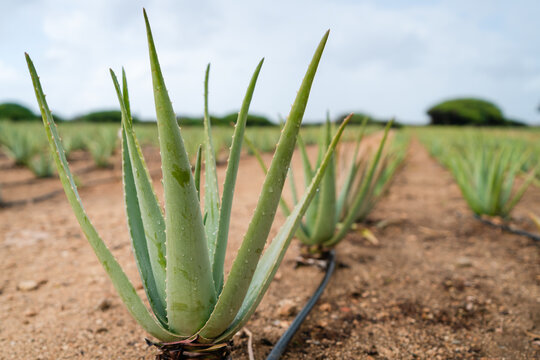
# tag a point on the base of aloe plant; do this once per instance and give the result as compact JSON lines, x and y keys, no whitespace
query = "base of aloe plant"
{"x":190,"y":349}
{"x":313,"y":255}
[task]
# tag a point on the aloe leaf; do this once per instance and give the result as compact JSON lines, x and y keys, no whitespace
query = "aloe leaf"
{"x":149,"y":211}
{"x":197,"y":172}
{"x":138,"y":237}
{"x":325,"y":223}
{"x":230,"y":181}
{"x":519,"y":194}
{"x":306,"y":165}
{"x":290,"y":175}
{"x":189,"y":285}
{"x":256,"y":153}
{"x":509,"y":203}
{"x":358,"y":201}
{"x":143,"y":248}
{"x":311,"y":213}
{"x":302,"y":232}
{"x":282,"y":203}
{"x":292,"y":184}
{"x":495,"y":180}
{"x":275,"y":252}
{"x":352,"y":170}
{"x":119,"y":279}
{"x":249,"y":253}
{"x":211,"y":189}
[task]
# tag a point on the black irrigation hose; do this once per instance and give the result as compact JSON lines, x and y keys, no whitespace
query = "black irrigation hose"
{"x":509,"y":229}
{"x":286,"y":338}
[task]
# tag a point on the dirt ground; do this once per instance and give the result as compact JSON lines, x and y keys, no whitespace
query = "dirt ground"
{"x":439,"y":285}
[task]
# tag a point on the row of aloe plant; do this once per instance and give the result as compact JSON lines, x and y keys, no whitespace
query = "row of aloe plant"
{"x":29,"y":148}
{"x":26,"y":148}
{"x":180,"y":251}
{"x":485,"y":168}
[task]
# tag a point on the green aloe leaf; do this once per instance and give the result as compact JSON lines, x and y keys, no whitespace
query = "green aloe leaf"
{"x":190,"y":287}
{"x":325,"y":219}
{"x":302,"y":231}
{"x":292,"y":184}
{"x":138,"y":238}
{"x":519,"y":194}
{"x":119,"y":279}
{"x":249,"y":253}
{"x":275,"y":252}
{"x":211,"y":188}
{"x":282,"y":203}
{"x":353,"y":168}
{"x":230,"y":181}
{"x":358,"y":201}
{"x":311,"y":213}
{"x":197,"y":172}
{"x":143,"y":212}
{"x":308,"y":171}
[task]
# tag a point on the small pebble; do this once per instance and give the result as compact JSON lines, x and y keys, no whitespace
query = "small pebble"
{"x":104,"y":305}
{"x":287,"y":308}
{"x":30,"y":313}
{"x":463,"y":262}
{"x":322,"y":323}
{"x":27,"y":285}
{"x":325,"y":307}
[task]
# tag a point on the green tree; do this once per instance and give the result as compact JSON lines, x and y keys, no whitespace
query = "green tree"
{"x":103,"y":116}
{"x":468,"y":111}
{"x":14,"y":111}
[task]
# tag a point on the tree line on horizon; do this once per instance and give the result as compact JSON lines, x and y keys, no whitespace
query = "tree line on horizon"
{"x":460,"y":111}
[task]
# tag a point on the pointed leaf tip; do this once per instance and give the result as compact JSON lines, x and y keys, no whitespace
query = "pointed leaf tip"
{"x":146,"y":21}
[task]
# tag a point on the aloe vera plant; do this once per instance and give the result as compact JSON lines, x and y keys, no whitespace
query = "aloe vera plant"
{"x":385,"y":167}
{"x":74,"y":141}
{"x":332,"y":213}
{"x":19,"y":145}
{"x":180,"y":252}
{"x":102,"y":146}
{"x":486,"y":174}
{"x":42,"y":166}
{"x":485,"y":167}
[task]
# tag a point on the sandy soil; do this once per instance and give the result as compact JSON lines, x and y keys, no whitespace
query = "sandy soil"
{"x":440,"y":285}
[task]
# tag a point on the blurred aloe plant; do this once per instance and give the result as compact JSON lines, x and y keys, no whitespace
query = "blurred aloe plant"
{"x":42,"y":166}
{"x":180,"y":252}
{"x":21,"y":146}
{"x":485,"y":173}
{"x":332,"y":214}
{"x":388,"y":162}
{"x":102,"y":146}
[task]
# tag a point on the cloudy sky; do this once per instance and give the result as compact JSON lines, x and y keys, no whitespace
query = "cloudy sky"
{"x":386,"y":58}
